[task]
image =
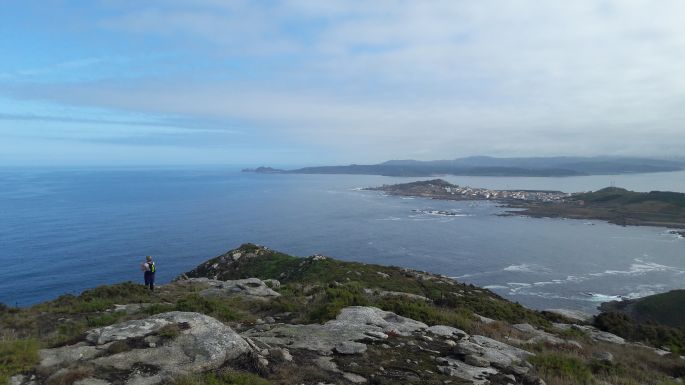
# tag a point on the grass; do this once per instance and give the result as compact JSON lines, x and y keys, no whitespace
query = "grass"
{"x":98,"y":299}
{"x":105,"y":319}
{"x":562,"y":368}
{"x":226,"y":377}
{"x":218,"y":308}
{"x":16,"y":356}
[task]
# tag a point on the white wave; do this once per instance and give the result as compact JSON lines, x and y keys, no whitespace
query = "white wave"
{"x":519,"y":284}
{"x":640,"y":267}
{"x":526,"y":268}
{"x":598,"y":297}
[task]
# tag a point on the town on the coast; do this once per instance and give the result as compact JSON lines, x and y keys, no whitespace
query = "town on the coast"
{"x":440,"y":189}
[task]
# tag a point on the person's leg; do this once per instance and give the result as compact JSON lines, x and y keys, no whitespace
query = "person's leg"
{"x":148,"y":280}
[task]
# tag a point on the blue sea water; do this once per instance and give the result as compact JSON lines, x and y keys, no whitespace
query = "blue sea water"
{"x":62,"y":231}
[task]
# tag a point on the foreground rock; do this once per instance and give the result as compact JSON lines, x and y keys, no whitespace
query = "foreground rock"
{"x":147,"y":351}
{"x":353,"y":324}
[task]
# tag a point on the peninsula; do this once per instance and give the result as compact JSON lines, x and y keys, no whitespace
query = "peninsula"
{"x":491,"y":166}
{"x":612,"y":204}
{"x":258,"y":316}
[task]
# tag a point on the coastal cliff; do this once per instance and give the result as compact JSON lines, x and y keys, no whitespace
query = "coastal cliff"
{"x":257,"y":316}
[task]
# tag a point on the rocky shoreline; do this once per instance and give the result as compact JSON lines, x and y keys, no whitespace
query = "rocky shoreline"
{"x":614,"y":205}
{"x":256,"y":316}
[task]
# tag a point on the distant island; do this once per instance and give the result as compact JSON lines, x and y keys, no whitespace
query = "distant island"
{"x":491,"y":166}
{"x":612,"y":204}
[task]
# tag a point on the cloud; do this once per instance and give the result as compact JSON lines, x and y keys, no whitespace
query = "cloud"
{"x":430,"y":79}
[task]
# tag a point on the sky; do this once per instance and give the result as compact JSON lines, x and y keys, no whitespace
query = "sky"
{"x":309,"y":82}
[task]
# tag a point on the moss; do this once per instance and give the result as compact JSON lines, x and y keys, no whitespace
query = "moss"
{"x":16,"y":356}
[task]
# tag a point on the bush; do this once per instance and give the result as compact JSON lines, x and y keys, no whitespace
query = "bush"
{"x":650,"y":333}
{"x":17,"y":356}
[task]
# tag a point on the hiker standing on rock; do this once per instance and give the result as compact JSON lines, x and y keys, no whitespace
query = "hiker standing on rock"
{"x":149,"y":272}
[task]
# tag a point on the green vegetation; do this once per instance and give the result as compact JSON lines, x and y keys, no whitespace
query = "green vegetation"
{"x":620,"y":196}
{"x":314,"y":290}
{"x":565,"y":367}
{"x":99,"y":299}
{"x":218,"y":308}
{"x":16,"y":356}
{"x":649,"y":333}
{"x":222,"y":378}
{"x":664,"y":308}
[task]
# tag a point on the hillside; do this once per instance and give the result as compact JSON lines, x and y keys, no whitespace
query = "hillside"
{"x":491,"y":166}
{"x":257,"y":316}
{"x":660,"y":309}
{"x":619,"y":206}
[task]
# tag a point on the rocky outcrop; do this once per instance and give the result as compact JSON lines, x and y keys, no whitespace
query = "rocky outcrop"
{"x":148,"y":351}
{"x":593,"y":333}
{"x":353,"y":324}
{"x":573,"y":315}
{"x":536,"y":336}
{"x":253,"y":288}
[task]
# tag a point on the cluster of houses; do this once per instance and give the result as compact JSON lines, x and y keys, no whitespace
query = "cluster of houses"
{"x":487,"y":194}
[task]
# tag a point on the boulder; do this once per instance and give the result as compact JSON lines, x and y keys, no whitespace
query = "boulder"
{"x":538,"y":336}
{"x":497,"y":353}
{"x":599,"y":335}
{"x":350,"y":347}
{"x":186,"y":343}
{"x":484,"y":320}
{"x":447,"y":331}
{"x":473,"y":374}
{"x":603,"y":356}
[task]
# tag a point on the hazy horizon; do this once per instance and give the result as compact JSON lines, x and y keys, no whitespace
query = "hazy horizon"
{"x":295,"y":82}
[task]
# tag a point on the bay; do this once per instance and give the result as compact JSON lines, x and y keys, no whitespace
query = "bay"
{"x":62,"y":231}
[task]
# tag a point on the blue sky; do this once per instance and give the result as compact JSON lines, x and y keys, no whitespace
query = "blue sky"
{"x":174,"y":82}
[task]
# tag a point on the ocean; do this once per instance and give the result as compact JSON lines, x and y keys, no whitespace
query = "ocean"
{"x":63,"y":231}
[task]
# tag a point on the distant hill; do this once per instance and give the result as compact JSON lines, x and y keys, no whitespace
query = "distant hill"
{"x":656,"y":319}
{"x":664,"y":309}
{"x":491,"y":166}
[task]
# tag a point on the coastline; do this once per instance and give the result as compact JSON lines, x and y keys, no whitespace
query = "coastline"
{"x":556,"y":204}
